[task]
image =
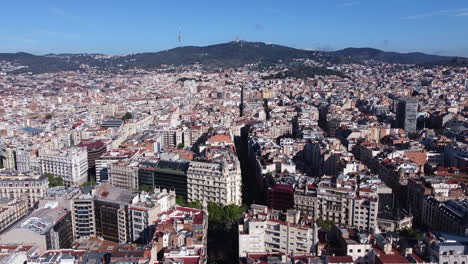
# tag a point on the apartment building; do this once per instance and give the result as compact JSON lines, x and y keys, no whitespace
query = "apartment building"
{"x":365,"y":213}
{"x":354,"y":244}
{"x":446,"y":216}
{"x":27,"y":160}
{"x":181,"y":234}
{"x":111,"y":212}
{"x":95,"y":149}
{"x":83,"y":215}
{"x":71,"y":165}
{"x":444,"y":248}
{"x":103,"y":162}
{"x":164,"y":174}
{"x":145,"y":209}
{"x":11,"y":211}
{"x":31,"y":187}
{"x":269,"y":230}
{"x":8,"y":157}
{"x":217,"y":181}
{"x":123,"y":174}
{"x":343,"y":206}
{"x":47,"y":228}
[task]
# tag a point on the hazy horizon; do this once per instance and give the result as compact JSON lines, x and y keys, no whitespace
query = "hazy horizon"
{"x":156,"y":51}
{"x":120,"y":27}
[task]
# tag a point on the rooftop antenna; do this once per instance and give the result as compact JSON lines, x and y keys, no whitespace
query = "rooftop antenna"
{"x":179,"y":38}
{"x":238,"y":41}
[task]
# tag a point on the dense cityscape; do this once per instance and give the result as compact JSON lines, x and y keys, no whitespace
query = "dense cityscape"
{"x":361,"y":163}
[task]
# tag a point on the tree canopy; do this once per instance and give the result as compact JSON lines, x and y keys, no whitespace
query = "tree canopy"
{"x":127,"y":116}
{"x":146,"y":188}
{"x":303,"y":72}
{"x":89,"y":183}
{"x":182,"y":202}
{"x":224,"y":214}
{"x":54,"y":181}
{"x":327,"y":224}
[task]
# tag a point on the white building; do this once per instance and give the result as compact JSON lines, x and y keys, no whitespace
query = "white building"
{"x":145,"y":210}
{"x":218,"y":182}
{"x":71,"y":165}
{"x":275,"y":231}
{"x":83,"y":219}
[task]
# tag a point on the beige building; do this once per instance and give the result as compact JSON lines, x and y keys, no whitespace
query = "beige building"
{"x":123,"y":174}
{"x":14,"y":185}
{"x":11,"y":211}
{"x":343,"y":206}
{"x":392,"y":222}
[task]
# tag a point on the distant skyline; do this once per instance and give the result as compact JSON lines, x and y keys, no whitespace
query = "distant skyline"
{"x":120,"y":27}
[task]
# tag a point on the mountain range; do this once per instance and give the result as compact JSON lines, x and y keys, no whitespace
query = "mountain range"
{"x":225,"y":55}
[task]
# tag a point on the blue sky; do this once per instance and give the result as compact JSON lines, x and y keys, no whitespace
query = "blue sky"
{"x":116,"y":27}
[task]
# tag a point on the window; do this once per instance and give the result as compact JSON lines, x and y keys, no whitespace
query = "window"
{"x":359,"y":250}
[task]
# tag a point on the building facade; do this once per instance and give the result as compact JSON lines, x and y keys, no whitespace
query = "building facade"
{"x":407,"y":113}
{"x":71,"y":165}
{"x":123,"y":175}
{"x":83,"y":216}
{"x":12,"y":211}
{"x":47,"y":228}
{"x":95,"y":149}
{"x":111,"y":213}
{"x":147,"y":208}
{"x":343,"y":206}
{"x":265,"y":229}
{"x":30,"y":187}
{"x":218,"y":182}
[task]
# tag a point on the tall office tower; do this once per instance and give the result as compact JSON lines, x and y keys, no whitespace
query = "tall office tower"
{"x":71,"y":165}
{"x":111,"y":213}
{"x":164,"y":174}
{"x":23,"y":156}
{"x":407,"y":113}
{"x":83,"y":218}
